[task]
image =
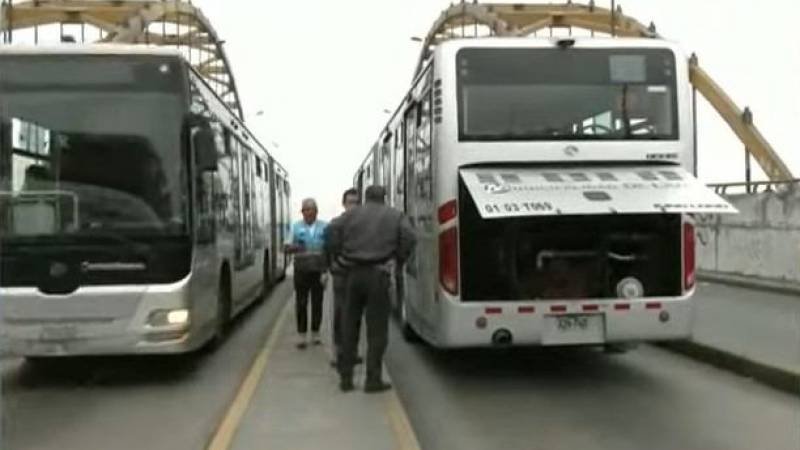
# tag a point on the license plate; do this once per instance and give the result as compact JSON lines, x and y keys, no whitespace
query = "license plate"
{"x":58,"y":332}
{"x":574,"y":329}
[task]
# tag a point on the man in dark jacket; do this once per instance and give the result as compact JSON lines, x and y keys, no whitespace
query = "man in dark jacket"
{"x":367,"y":239}
{"x":350,"y":200}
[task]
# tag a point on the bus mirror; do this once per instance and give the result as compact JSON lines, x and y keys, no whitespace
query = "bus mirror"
{"x":205,"y":150}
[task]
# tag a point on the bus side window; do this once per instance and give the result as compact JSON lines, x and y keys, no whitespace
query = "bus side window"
{"x":247,"y":213}
{"x":223,"y":194}
{"x":399,"y":163}
{"x":410,"y":142}
{"x":386,"y":169}
{"x":422,"y":158}
{"x":205,"y":200}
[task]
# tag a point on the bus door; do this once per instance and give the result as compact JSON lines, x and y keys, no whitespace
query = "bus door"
{"x":243,"y":248}
{"x":284,"y":222}
{"x":412,"y":273}
{"x":272,"y":218}
{"x":420,"y":191}
{"x":265,"y":219}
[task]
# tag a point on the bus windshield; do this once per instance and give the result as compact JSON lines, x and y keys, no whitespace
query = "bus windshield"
{"x":90,"y":142}
{"x":520,"y":94}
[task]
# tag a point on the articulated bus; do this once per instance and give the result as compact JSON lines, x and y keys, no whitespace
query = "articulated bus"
{"x":138,"y":214}
{"x":550,"y":185}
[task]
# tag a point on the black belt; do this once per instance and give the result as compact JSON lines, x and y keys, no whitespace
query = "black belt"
{"x":351,"y":262}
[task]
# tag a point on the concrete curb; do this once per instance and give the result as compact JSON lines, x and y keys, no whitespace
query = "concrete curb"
{"x":780,"y":287}
{"x":775,"y":377}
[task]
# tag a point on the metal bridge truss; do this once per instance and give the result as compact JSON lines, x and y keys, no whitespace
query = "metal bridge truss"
{"x":466,"y":20}
{"x":171,"y":23}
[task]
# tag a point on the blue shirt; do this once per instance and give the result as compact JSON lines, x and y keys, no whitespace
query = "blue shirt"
{"x":312,"y":236}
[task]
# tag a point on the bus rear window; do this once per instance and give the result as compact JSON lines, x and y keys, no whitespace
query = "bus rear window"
{"x":566,"y":94}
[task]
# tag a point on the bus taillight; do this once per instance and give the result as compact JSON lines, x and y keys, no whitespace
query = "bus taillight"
{"x":448,"y":260}
{"x":688,"y":256}
{"x":448,"y":212}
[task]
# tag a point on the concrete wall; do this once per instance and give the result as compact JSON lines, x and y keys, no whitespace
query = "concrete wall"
{"x":762,"y":241}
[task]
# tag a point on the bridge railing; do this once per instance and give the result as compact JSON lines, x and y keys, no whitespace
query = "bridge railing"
{"x":759,"y":245}
{"x":755,"y":187}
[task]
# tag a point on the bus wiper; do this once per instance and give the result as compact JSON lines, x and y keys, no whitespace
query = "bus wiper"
{"x":626,"y":120}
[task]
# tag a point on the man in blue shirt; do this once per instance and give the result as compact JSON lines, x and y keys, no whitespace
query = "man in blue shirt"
{"x":307,"y":245}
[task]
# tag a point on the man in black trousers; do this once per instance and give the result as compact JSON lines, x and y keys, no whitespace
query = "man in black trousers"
{"x":367,"y":238}
{"x":350,"y":199}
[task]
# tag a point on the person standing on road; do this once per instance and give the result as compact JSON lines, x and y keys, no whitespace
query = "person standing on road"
{"x":307,"y":245}
{"x":367,"y":240}
{"x":350,"y":199}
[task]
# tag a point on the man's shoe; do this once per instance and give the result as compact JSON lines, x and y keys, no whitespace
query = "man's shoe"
{"x":373,"y":388}
{"x":346,"y":385}
{"x":316,"y":339}
{"x":359,"y":360}
{"x":302,"y":341}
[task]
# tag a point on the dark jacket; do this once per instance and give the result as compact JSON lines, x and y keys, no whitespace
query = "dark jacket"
{"x":370,"y":234}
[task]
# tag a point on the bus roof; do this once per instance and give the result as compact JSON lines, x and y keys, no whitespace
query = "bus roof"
{"x":545,"y":42}
{"x":88,"y":49}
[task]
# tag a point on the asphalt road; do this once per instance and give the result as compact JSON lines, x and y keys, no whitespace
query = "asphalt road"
{"x":170,"y":403}
{"x":583,"y":399}
{"x":527,"y":399}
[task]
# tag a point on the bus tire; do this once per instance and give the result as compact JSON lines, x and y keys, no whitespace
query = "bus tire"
{"x":409,"y":335}
{"x":283,"y":269}
{"x":223,"y":318}
{"x":266,"y":277}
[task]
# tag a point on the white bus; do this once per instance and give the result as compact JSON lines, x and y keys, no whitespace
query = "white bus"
{"x":550,"y":184}
{"x":138,"y":214}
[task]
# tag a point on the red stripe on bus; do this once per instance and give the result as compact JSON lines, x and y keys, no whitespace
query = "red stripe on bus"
{"x":526,"y":310}
{"x":591,"y":307}
{"x":558,"y":308}
{"x":494,"y":310}
{"x":653,"y":305}
{"x":622,"y":306}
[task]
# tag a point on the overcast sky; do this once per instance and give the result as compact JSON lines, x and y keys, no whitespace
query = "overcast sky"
{"x":323,"y":71}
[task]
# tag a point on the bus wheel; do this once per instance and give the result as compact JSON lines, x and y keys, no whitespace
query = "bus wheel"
{"x":282,"y":276}
{"x":409,"y":335}
{"x":223,"y":311}
{"x":266,"y":277}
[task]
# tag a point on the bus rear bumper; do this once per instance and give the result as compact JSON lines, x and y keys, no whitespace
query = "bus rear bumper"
{"x":545,"y":323}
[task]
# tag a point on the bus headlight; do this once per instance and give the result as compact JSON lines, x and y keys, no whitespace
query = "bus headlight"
{"x":164,"y":317}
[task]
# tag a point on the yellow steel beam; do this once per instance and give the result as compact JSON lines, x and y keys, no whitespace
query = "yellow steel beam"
{"x":217,"y":79}
{"x":194,"y":39}
{"x":740,"y":123}
{"x":533,"y":27}
{"x":213,"y":70}
{"x":508,"y":20}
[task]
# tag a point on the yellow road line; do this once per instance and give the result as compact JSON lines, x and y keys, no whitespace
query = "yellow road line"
{"x":403,"y":432}
{"x":226,"y":431}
